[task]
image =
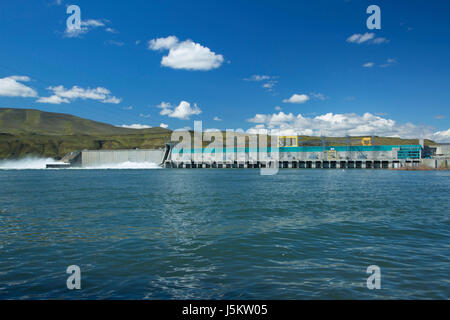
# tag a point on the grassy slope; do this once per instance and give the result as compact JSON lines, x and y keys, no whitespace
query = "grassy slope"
{"x":29,"y":132}
{"x":26,"y":132}
{"x":22,"y":121}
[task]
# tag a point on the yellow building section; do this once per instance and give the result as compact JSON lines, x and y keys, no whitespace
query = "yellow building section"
{"x":366,"y":141}
{"x":288,"y":141}
{"x":332,"y":154}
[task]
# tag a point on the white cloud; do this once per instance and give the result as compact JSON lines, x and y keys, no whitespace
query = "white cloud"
{"x":183,"y":111}
{"x":12,"y":87}
{"x":115,"y":43}
{"x":53,"y":100}
{"x":269,"y":84}
{"x":259,"y":118}
{"x":128,"y":108}
{"x":278,"y":108}
{"x":184,"y":129}
{"x":360,"y":38}
{"x":212,"y":130}
{"x":442,"y":136}
{"x":366,"y":37}
{"x":163,"y":125}
{"x":186,"y":55}
{"x":146,"y":116}
{"x":257,"y":77}
{"x":318,"y":96}
{"x":92,"y":23}
{"x":272,"y":120}
{"x":113,"y":100}
{"x":368,"y":64}
{"x":297,"y":98}
{"x":63,"y":95}
{"x":166,"y":108}
{"x":163,"y":43}
{"x":339,"y":125}
{"x":389,"y":62}
{"x":217,"y":119}
{"x":110,"y":30}
{"x":380,"y":40}
{"x":88,"y":25}
{"x":136,"y":126}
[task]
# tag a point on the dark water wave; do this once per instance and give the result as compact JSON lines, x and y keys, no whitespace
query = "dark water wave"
{"x":224,"y":234}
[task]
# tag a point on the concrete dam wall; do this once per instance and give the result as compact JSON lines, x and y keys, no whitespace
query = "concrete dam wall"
{"x":92,"y":158}
{"x":96,"y":158}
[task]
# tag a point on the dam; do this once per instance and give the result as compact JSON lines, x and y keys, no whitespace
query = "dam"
{"x":288,"y":154}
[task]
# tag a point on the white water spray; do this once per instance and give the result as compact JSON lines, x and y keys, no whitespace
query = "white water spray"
{"x":126,"y":165}
{"x":40,"y":163}
{"x":26,"y":163}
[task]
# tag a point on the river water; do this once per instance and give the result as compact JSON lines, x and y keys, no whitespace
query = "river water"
{"x":224,"y":234}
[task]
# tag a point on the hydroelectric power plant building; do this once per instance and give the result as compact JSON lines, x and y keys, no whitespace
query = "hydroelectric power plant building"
{"x":291,"y":154}
{"x":288,"y":154}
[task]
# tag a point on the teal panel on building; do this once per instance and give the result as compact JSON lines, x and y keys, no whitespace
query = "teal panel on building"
{"x":404,"y":151}
{"x":409,"y":152}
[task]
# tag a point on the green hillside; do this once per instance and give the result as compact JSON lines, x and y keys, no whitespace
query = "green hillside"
{"x":29,"y":132}
{"x":23,"y":121}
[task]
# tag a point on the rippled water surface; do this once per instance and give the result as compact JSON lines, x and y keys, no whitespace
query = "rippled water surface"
{"x":224,"y":234}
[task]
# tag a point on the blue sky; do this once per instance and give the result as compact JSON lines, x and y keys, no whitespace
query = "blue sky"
{"x":308,"y":67}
